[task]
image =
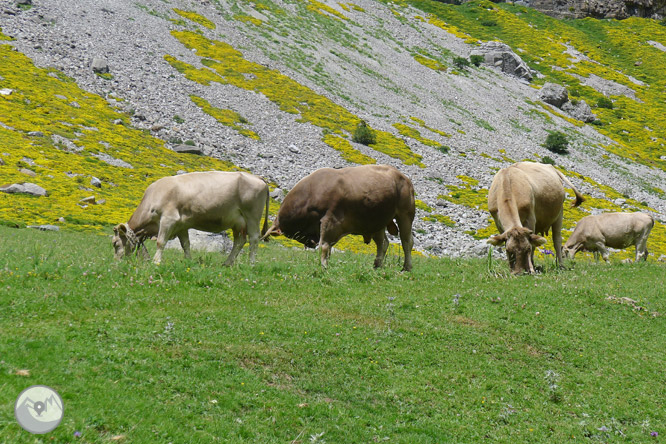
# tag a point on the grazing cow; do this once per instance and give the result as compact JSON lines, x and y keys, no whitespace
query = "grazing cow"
{"x":210,"y":201}
{"x":331,"y":203}
{"x":614,"y":230}
{"x":525,"y":200}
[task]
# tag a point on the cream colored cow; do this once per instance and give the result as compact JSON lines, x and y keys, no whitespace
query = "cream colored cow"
{"x":525,"y":200}
{"x":614,"y":230}
{"x":210,"y":201}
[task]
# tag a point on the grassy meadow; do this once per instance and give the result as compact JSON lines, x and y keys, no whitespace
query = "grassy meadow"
{"x":285,"y":352}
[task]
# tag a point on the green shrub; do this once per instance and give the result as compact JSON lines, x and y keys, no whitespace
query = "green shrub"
{"x":548,"y":160}
{"x":189,"y":142}
{"x":460,"y":62}
{"x":443,"y":149}
{"x":476,"y":59}
{"x":557,"y":142}
{"x":605,"y":102}
{"x":488,"y":23}
{"x":12,"y":224}
{"x":178,"y":119}
{"x":363,"y":134}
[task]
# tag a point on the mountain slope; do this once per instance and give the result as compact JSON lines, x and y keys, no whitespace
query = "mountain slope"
{"x":277,"y":87}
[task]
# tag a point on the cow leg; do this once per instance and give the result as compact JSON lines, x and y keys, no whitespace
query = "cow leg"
{"x":641,"y":247}
{"x":165,"y":232}
{"x":406,"y":238}
{"x":184,"y":238}
{"x":596,"y":255}
{"x":239,"y":240}
{"x":382,"y":246}
{"x":557,"y":240}
{"x":253,"y":234}
{"x":601,"y":248}
{"x":330,"y":235}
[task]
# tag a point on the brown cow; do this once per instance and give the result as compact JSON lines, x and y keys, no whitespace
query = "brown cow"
{"x":332,"y":203}
{"x":615,"y":230}
{"x":525,"y":199}
{"x":210,"y":201}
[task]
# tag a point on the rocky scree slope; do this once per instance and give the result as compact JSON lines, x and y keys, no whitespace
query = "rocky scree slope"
{"x":274,"y":86}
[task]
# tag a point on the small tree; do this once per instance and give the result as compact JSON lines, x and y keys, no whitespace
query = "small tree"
{"x":476,"y":59}
{"x":460,"y":62}
{"x":548,"y":160}
{"x":363,"y":134}
{"x":557,"y":142}
{"x":605,"y":102}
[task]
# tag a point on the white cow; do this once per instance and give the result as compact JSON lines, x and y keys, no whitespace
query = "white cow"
{"x":210,"y":201}
{"x":615,"y":230}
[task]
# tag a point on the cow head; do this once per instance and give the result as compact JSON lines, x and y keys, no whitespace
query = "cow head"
{"x":569,"y":251}
{"x":519,"y":242}
{"x":124,"y":240}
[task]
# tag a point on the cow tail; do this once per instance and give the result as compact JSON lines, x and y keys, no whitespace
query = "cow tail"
{"x":268,"y":201}
{"x":579,"y":197}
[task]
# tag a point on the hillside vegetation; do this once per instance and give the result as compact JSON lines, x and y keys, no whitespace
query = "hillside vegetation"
{"x":455,"y":351}
{"x":278,"y":87}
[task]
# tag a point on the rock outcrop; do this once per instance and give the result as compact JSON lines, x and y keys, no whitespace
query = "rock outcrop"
{"x":501,"y":56}
{"x":554,"y":94}
{"x":614,"y":9}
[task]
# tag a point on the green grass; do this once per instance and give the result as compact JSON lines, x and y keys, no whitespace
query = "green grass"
{"x":194,"y":352}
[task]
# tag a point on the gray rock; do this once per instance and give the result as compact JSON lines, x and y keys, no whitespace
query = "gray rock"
{"x":277,"y":194}
{"x":188,"y":149}
{"x":24,"y":2}
{"x":2,"y":162}
{"x":501,"y":56}
{"x":36,"y":134}
{"x":480,"y":249}
{"x":554,"y":94}
{"x":27,"y":172}
{"x":113,"y":161}
{"x":89,"y":200}
{"x":179,"y":172}
{"x":620,"y":202}
{"x":294,"y":149}
{"x":6,"y":91}
{"x":95,"y":182}
{"x":580,"y":111}
{"x":24,"y":188}
{"x":45,"y":227}
{"x":100,"y":65}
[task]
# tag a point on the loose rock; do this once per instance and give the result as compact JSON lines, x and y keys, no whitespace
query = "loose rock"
{"x":24,"y":188}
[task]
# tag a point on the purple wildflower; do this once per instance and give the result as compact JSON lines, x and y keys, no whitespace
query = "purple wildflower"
{"x":655,"y":434}
{"x":547,"y":252}
{"x":77,"y":434}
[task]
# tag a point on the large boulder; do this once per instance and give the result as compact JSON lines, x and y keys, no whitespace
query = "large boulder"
{"x":99,"y":65}
{"x":24,"y":188}
{"x":554,"y":94}
{"x":501,"y":56}
{"x":579,"y":110}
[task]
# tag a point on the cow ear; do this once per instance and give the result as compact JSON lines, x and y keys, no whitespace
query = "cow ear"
{"x":498,"y":240}
{"x":536,"y":240}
